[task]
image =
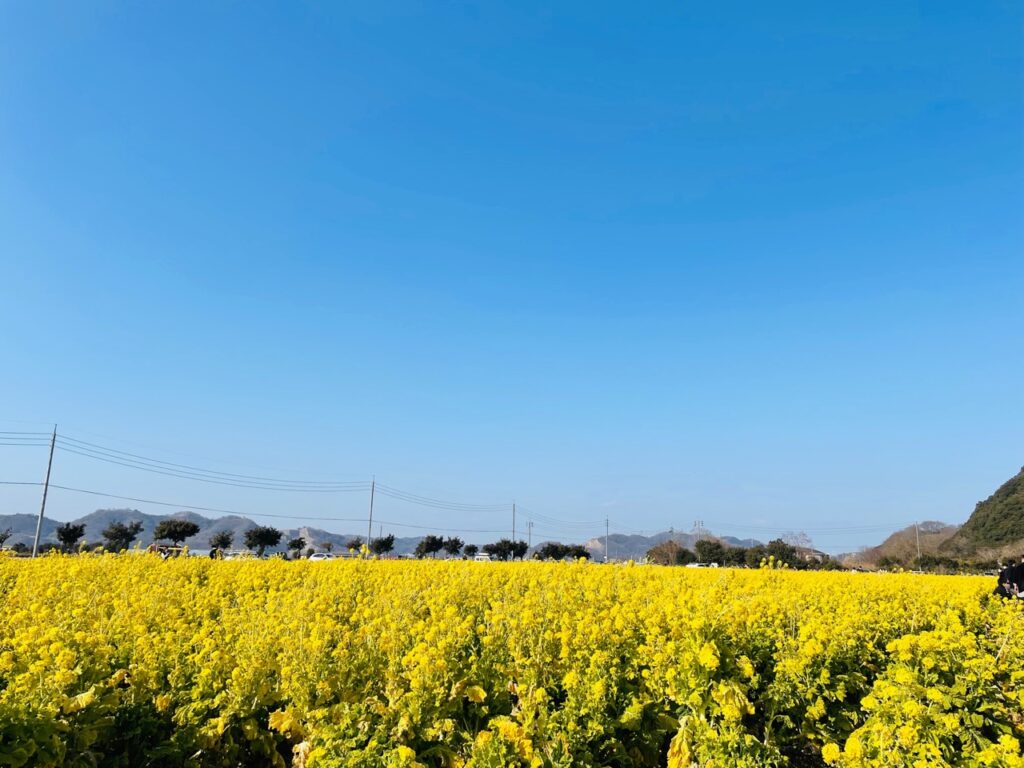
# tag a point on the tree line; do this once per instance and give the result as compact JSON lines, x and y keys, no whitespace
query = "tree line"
{"x":119,"y":537}
{"x":707,"y":551}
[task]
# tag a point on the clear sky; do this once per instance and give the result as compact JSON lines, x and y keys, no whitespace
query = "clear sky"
{"x":755,"y":264}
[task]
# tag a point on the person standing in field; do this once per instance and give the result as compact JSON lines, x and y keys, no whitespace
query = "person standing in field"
{"x":1017,"y":577}
{"x":1010,"y":579}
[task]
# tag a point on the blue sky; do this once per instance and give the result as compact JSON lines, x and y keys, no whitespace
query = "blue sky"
{"x":759,"y":266}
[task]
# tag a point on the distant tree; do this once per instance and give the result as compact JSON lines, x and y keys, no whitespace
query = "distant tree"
{"x":21,"y":548}
{"x":261,"y":537}
{"x":328,"y":546}
{"x":784,"y":553}
{"x":222,"y":540}
{"x":577,"y":551}
{"x":519,"y":549}
{"x":383,"y":544}
{"x":470,"y":550}
{"x":685,"y":556}
{"x":354,"y":544}
{"x":309,"y":552}
{"x":551,"y":550}
{"x":429,"y":545}
{"x":119,"y":537}
{"x":754,"y":555}
{"x":709,"y":551}
{"x":500,"y":550}
{"x":4,"y":536}
{"x":68,"y":535}
{"x":734,"y":556}
{"x":453,"y":545}
{"x":296,"y":545}
{"x":664,"y":553}
{"x":175,"y":531}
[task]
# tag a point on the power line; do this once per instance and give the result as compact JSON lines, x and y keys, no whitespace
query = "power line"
{"x":444,"y":530}
{"x":426,"y":501}
{"x":162,"y":450}
{"x":189,"y":469}
{"x":199,"y":478}
{"x":554,"y":520}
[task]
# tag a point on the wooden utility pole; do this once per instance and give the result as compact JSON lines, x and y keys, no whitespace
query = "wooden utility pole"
{"x":369,"y":526}
{"x":46,"y":487}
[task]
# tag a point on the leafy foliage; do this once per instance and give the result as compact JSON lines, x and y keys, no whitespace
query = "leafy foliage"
{"x":261,"y":537}
{"x":175,"y":531}
{"x":453,"y":545}
{"x":383,"y":544}
{"x":553,"y":550}
{"x":996,"y":521}
{"x":506,"y":549}
{"x":119,"y":536}
{"x":221,"y":540}
{"x":429,"y":545}
{"x":68,"y":535}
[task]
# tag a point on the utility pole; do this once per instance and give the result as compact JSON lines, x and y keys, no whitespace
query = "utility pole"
{"x":917,"y":531}
{"x":529,"y":534}
{"x":46,"y":487}
{"x":606,"y":539}
{"x":513,"y":522}
{"x":369,"y":527}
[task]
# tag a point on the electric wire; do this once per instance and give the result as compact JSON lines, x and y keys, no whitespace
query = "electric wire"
{"x":189,"y":469}
{"x":213,"y":481}
{"x":426,"y":501}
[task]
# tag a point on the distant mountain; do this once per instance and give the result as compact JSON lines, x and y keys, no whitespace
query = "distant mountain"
{"x":634,"y":547}
{"x":23,"y":529}
{"x":901,"y":546}
{"x":996,"y":522}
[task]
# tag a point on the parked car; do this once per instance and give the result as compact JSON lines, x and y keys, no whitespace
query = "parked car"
{"x":318,"y":556}
{"x":482,"y":557}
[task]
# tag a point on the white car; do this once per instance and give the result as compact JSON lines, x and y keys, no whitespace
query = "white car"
{"x":482,"y":557}
{"x":318,"y":556}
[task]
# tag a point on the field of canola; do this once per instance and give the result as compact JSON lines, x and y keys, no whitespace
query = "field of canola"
{"x":131,"y":661}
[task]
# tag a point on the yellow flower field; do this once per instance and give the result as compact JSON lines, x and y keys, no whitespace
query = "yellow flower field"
{"x":133,"y":661}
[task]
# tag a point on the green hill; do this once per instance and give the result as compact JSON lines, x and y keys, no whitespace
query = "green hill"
{"x":996,"y":522}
